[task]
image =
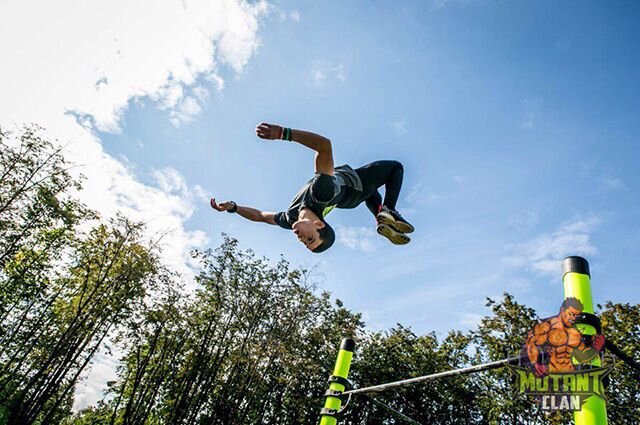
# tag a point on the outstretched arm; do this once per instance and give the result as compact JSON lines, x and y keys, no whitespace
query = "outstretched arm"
{"x":246,"y":212}
{"x":532,"y":347}
{"x":584,"y":353}
{"x":320,"y":144}
{"x":536,"y":338}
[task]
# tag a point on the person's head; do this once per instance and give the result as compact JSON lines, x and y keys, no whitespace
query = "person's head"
{"x":316,"y":235}
{"x":569,"y":311}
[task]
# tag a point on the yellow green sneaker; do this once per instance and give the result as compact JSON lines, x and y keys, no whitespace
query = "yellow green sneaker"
{"x":394,"y":236}
{"x":394,"y":219}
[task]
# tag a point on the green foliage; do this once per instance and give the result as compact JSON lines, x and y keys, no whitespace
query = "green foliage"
{"x":96,"y":415}
{"x":401,"y":354}
{"x":499,"y":336}
{"x":621,"y":325}
{"x":242,"y":350}
{"x":61,"y":291}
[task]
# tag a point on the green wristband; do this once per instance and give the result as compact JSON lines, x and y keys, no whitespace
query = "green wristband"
{"x":286,"y":134}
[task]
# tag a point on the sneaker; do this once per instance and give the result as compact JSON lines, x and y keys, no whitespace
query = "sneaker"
{"x":394,"y":219}
{"x":390,"y":233}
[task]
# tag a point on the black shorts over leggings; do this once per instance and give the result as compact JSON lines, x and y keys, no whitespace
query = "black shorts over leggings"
{"x":387,"y":173}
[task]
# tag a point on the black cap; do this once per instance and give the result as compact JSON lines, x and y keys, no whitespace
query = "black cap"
{"x":348,"y":345}
{"x":575,"y":264}
{"x":328,"y":237}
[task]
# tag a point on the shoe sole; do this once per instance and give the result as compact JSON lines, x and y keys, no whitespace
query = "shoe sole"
{"x":386,"y":218}
{"x":390,"y":233}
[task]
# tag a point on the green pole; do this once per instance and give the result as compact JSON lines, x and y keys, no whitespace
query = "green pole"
{"x":338,"y":383}
{"x":577,"y":283}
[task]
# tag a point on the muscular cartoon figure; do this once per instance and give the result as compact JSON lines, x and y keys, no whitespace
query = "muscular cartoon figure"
{"x":558,"y":339}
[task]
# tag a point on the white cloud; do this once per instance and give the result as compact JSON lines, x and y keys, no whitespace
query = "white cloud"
{"x":170,"y":180}
{"x":409,"y":211}
{"x":322,"y":72}
{"x":470,"y":320}
{"x":54,"y":55}
{"x":169,"y":95}
{"x":610,"y":183}
{"x":88,"y":391}
{"x":201,"y":194}
{"x":75,"y":67}
{"x":187,"y":110}
{"x":417,"y":196}
{"x":358,"y":238}
{"x":529,"y":120}
{"x":413,"y":194}
{"x":532,"y":109}
{"x":441,"y":4}
{"x":217,"y":80}
{"x":519,"y":285}
{"x":201,"y":93}
{"x":544,"y":253}
{"x":563,"y":45}
{"x":523,"y":220}
{"x":183,"y":108}
{"x":447,"y":292}
{"x":94,"y":59}
{"x":294,"y":15}
{"x":400,"y":126}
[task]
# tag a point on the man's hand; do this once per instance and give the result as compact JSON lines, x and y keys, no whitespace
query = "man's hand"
{"x":540,"y":370}
{"x":320,"y":144}
{"x":223,"y":206}
{"x":268,"y":131}
{"x":246,"y":212}
{"x":598,"y":342}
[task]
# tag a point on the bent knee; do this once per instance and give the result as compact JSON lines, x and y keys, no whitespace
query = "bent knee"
{"x":397,"y":164}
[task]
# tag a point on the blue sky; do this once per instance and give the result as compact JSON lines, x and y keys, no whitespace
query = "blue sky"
{"x":516,"y":122}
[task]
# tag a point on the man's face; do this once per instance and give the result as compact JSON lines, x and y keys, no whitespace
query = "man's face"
{"x":569,"y":315}
{"x":307,"y":232}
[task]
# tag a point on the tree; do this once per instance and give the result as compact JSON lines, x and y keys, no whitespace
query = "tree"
{"x":621,"y":325}
{"x":62,"y":291}
{"x":247,"y":348}
{"x":254,"y":344}
{"x":401,"y":354}
{"x":498,"y":337}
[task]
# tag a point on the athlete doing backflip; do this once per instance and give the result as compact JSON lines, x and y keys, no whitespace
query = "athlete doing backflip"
{"x":331,"y":187}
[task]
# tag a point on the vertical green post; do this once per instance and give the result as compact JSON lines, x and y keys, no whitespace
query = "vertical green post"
{"x":337,"y":383}
{"x":577,"y":283}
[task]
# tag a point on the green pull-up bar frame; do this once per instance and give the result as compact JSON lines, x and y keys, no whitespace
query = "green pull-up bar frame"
{"x":337,"y":383}
{"x":576,"y":279}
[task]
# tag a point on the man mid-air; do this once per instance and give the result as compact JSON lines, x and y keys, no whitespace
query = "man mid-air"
{"x":331,"y":187}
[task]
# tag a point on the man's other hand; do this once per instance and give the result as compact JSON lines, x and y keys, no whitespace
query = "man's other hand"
{"x":222,"y":206}
{"x":598,"y":342}
{"x":268,"y":131}
{"x":540,"y":370}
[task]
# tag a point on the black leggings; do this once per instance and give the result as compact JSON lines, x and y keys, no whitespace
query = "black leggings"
{"x":381,"y":173}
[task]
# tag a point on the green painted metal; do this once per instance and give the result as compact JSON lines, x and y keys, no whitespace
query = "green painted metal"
{"x":327,"y":210}
{"x":341,"y":369}
{"x":578,"y":285}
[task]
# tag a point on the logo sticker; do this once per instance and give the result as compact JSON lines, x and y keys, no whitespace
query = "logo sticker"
{"x":560,"y":366}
